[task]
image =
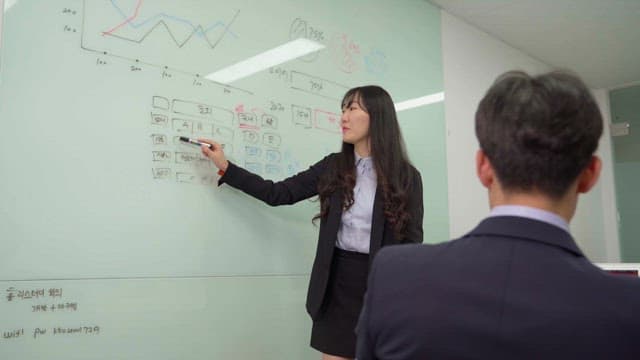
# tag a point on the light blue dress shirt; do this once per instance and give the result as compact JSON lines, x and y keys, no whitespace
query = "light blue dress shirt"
{"x":354,"y":233}
{"x":531,"y":213}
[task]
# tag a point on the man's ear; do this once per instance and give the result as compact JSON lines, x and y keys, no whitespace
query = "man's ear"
{"x":589,"y":176}
{"x":484,"y":169}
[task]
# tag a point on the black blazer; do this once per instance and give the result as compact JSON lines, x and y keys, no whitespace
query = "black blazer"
{"x":305,"y":185}
{"x":513,"y":288}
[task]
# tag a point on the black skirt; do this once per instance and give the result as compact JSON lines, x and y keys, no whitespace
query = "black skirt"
{"x":333,"y":332}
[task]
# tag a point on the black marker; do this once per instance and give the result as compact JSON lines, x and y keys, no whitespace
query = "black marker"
{"x":194,"y":142}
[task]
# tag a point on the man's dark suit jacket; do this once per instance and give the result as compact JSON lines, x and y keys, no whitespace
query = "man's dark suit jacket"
{"x":305,"y":185}
{"x":513,"y":288}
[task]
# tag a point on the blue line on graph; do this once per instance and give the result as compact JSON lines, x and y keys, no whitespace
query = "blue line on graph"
{"x":174,"y":18}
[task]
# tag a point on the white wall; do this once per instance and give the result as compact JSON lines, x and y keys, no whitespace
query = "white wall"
{"x":596,"y":216}
{"x":472,"y":60}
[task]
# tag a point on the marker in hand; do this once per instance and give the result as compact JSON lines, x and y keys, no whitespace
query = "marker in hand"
{"x":194,"y":142}
{"x":213,"y":152}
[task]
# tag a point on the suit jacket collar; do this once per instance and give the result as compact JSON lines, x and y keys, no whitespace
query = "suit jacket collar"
{"x":377,"y":223}
{"x":527,"y":229}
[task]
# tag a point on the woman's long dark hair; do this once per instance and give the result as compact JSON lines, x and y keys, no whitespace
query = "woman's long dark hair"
{"x":389,"y":156}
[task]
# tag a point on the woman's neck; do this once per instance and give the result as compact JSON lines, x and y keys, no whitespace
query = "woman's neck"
{"x":362,"y":149}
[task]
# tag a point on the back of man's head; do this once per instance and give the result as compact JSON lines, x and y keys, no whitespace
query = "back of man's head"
{"x":538,"y":132}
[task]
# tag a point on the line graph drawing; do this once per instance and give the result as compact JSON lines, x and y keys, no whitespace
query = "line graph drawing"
{"x":179,"y":44}
{"x":135,"y":14}
{"x":186,"y":40}
{"x":175,"y":19}
{"x":198,"y":30}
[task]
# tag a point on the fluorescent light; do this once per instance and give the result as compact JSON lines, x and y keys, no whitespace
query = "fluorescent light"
{"x":421,"y":101}
{"x":265,"y":60}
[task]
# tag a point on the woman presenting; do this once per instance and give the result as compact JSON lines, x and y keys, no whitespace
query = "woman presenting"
{"x":370,"y":196}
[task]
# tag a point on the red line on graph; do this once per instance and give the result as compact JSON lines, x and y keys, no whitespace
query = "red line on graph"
{"x":128,"y":20}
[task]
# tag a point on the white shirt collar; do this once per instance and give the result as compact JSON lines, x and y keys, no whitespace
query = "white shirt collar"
{"x":531,"y":213}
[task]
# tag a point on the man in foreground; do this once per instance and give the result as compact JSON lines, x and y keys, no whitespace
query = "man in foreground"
{"x":517,"y":286}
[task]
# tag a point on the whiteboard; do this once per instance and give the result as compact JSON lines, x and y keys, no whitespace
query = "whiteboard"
{"x":103,"y":208}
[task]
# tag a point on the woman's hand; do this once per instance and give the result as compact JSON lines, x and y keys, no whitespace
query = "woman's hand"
{"x":215,"y":153}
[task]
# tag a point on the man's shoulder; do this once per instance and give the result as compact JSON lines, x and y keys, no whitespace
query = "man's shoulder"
{"x":405,"y":255}
{"x":406,"y":250}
